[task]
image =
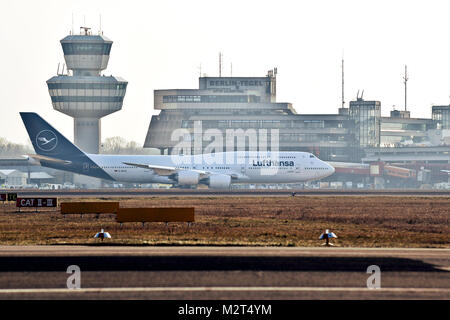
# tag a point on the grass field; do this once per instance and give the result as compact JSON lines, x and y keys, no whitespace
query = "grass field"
{"x":359,"y":221}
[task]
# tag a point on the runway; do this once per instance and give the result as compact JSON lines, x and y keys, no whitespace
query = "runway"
{"x":211,"y":273}
{"x":232,"y":192}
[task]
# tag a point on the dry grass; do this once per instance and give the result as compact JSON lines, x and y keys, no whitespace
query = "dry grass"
{"x":378,"y":221}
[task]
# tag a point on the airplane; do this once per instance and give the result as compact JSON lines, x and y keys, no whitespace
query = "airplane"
{"x":53,"y":150}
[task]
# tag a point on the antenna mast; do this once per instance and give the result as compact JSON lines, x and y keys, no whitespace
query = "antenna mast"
{"x":405,"y":78}
{"x":220,"y":64}
{"x":343,"y":101}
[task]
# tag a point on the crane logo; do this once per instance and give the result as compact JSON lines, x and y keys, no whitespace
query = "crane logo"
{"x":46,"y":140}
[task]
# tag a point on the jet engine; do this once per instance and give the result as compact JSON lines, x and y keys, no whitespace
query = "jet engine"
{"x":187,"y":178}
{"x":219,"y":181}
{"x":33,"y":161}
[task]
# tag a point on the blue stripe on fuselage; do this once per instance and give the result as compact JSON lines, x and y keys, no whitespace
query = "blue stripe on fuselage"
{"x":80,"y":165}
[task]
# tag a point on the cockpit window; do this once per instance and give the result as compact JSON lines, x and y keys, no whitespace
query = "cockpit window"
{"x":311,"y":156}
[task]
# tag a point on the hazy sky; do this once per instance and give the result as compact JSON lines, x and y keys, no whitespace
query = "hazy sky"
{"x":160,"y":45}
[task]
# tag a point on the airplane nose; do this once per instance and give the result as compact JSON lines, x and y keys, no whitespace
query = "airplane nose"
{"x":331,"y":169}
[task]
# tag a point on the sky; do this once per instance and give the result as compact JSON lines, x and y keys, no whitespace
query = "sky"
{"x":161,"y":44}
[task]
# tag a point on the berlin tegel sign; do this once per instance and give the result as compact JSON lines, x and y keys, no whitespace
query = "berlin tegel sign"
{"x":36,"y":202}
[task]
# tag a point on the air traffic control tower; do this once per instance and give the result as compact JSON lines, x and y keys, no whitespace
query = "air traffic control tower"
{"x":83,"y":93}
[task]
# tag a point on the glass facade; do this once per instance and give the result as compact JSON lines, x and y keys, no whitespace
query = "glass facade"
{"x":366,"y":117}
{"x":106,"y":86}
{"x":86,"y":48}
{"x":403,"y":126}
{"x":86,"y":99}
{"x":95,"y":92}
{"x":441,"y":114}
{"x":323,"y":126}
{"x":210,"y":98}
{"x":87,"y":96}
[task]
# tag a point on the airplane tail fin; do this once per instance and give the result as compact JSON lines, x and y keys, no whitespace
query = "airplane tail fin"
{"x":55,"y":151}
{"x":46,"y":140}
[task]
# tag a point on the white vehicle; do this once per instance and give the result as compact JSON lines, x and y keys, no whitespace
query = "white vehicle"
{"x":442,"y":186}
{"x":68,"y":185}
{"x":55,"y":151}
{"x":30,"y":186}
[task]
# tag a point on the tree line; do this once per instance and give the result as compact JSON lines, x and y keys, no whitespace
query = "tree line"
{"x":8,"y":148}
{"x":118,"y":145}
{"x":112,"y":145}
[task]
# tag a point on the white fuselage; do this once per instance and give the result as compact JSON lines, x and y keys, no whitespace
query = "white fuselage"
{"x":243,"y":167}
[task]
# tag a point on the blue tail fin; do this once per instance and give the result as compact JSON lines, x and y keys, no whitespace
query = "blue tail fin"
{"x":46,"y":140}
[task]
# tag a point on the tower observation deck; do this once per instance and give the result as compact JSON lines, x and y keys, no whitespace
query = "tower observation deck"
{"x":85,"y":94}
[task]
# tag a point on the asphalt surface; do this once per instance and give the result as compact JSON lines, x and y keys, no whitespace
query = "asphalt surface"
{"x":210,"y":273}
{"x":212,"y":192}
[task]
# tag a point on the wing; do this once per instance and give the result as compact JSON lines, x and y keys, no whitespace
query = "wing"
{"x":163,"y":170}
{"x":167,"y":171}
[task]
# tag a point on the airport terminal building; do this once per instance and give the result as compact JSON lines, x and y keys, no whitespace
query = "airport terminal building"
{"x":245,"y":103}
{"x":357,"y":134}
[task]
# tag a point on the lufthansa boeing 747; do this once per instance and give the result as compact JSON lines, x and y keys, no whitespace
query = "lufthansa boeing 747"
{"x":217,"y":170}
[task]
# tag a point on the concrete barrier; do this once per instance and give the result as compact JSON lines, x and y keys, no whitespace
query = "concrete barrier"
{"x":155,"y":215}
{"x":89,"y":207}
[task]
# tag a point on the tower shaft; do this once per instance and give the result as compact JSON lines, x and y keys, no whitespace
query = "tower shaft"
{"x":87,"y":134}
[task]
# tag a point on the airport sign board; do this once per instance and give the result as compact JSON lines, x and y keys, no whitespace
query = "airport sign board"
{"x":36,"y":202}
{"x":12,"y":196}
{"x":243,"y":83}
{"x":2,"y":196}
